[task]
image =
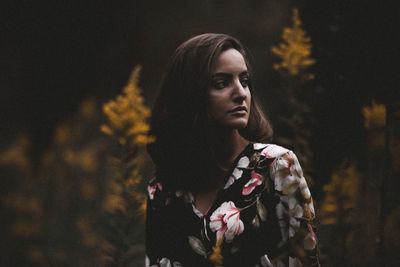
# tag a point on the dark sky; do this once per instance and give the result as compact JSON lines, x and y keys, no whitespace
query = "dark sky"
{"x":55,"y":53}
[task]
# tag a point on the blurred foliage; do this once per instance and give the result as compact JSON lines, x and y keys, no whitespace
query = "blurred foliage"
{"x":339,"y":212}
{"x":295,"y":50}
{"x":126,"y":124}
{"x":56,"y":210}
{"x":361,"y":205}
{"x":374,"y":115}
{"x":83,"y":206}
{"x":341,"y":196}
{"x":17,"y":154}
{"x":293,"y":111}
{"x":127,"y":115}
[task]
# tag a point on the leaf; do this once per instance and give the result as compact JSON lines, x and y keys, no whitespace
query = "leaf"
{"x":256,"y":222}
{"x":234,"y":250}
{"x":203,"y":236}
{"x":262,"y":211}
{"x":197,"y":246}
{"x":255,"y":158}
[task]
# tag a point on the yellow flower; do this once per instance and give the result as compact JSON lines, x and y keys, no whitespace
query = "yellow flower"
{"x":127,"y":115}
{"x":216,"y":256}
{"x":374,"y":115}
{"x":127,"y":123}
{"x":295,"y":51}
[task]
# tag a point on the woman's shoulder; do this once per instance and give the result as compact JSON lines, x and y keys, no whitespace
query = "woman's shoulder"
{"x":281,"y":156}
{"x":280,"y":159}
{"x":264,"y":157}
{"x":270,"y":150}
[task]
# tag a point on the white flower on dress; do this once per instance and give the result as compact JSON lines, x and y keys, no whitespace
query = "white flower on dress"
{"x":252,"y":183}
{"x":151,"y":189}
{"x":288,"y":174}
{"x":146,"y":261}
{"x":289,"y":180}
{"x":273,"y":151}
{"x":310,"y":240}
{"x":282,"y":214}
{"x":237,"y":172}
{"x":243,"y":162}
{"x":295,"y":210}
{"x":226,"y":221}
{"x":258,"y":146}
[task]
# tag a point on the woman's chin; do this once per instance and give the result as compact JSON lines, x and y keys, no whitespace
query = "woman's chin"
{"x":238,"y":124}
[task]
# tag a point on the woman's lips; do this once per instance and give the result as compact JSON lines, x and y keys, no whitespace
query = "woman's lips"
{"x":239,"y":110}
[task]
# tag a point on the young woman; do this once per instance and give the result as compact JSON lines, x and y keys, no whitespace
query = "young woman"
{"x":222,"y":196}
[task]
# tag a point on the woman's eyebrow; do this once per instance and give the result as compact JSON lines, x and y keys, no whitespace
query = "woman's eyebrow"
{"x":228,"y":75}
{"x":244,"y":73}
{"x":222,"y":74}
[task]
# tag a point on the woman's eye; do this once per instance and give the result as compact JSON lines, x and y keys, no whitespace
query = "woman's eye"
{"x":220,"y":84}
{"x":245,"y":82}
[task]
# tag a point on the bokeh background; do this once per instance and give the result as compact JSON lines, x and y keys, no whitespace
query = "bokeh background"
{"x":78,"y":80}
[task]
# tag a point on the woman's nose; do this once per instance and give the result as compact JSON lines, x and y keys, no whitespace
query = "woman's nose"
{"x":239,"y":91}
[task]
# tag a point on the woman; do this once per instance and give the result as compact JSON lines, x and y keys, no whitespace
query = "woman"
{"x":222,"y":196}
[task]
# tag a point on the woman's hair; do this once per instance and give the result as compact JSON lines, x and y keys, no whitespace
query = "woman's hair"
{"x":183,"y":158}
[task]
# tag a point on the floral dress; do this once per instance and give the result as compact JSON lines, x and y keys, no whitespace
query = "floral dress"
{"x":262,"y":217}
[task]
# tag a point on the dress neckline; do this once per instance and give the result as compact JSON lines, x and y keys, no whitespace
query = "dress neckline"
{"x":235,"y":164}
{"x":227,"y":180}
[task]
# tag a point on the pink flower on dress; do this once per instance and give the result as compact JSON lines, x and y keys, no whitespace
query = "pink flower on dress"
{"x":254,"y":181}
{"x":151,"y":189}
{"x":310,"y":240}
{"x":226,"y":221}
{"x":288,"y":174}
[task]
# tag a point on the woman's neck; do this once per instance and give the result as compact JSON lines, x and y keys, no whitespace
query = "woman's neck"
{"x":227,"y":145}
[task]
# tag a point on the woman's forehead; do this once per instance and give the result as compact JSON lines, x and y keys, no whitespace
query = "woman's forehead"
{"x":229,"y":61}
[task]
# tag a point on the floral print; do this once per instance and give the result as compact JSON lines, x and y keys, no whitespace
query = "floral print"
{"x":226,"y":221}
{"x":151,"y":189}
{"x":237,"y":172}
{"x":255,"y":181}
{"x":263,"y":214}
{"x":164,"y":262}
{"x":265,"y":262}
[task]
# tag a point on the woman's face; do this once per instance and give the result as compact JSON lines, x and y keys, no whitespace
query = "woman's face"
{"x":229,"y":96}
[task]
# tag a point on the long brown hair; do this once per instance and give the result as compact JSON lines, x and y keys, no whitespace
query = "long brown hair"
{"x":181,"y":152}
